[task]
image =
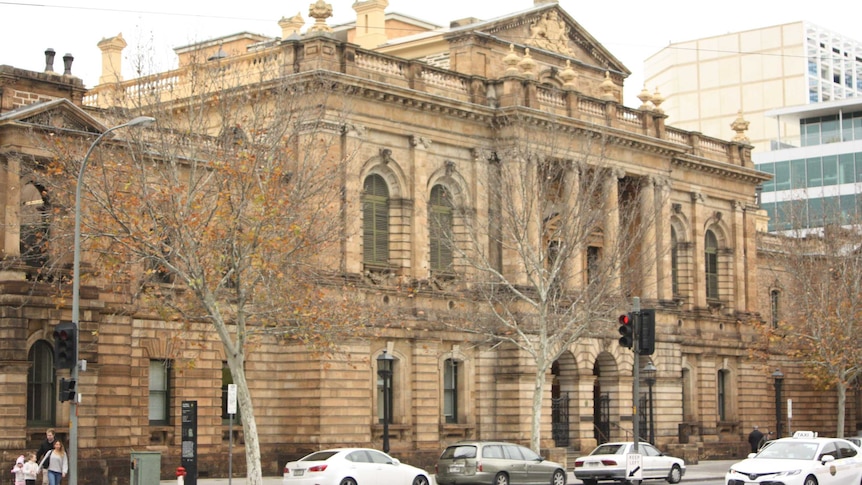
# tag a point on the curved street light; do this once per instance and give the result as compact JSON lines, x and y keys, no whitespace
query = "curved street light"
{"x":76,"y":292}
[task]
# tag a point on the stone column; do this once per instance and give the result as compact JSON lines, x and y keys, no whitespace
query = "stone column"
{"x":663,"y":241}
{"x":697,"y":256}
{"x":351,"y":246}
{"x":420,"y":193}
{"x":573,"y":266}
{"x":612,"y":221}
{"x":738,"y":264}
{"x":649,"y":251}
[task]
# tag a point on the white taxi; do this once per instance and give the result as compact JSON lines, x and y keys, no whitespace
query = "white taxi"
{"x":804,"y":459}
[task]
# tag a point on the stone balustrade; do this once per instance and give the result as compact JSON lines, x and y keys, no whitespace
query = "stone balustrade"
{"x":296,"y":56}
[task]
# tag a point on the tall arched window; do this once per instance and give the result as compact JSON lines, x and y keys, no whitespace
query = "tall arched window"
{"x":41,"y":393}
{"x":440,"y":220}
{"x":711,"y":260}
{"x":34,"y":226}
{"x":375,"y":221}
{"x":773,"y":302}
{"x":674,"y":263}
{"x":450,"y":390}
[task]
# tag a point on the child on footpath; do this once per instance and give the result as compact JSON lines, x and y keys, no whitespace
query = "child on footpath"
{"x":18,"y":470}
{"x":31,"y":469}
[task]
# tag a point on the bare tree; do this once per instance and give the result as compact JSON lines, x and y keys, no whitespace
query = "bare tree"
{"x":229,"y":213}
{"x":816,"y":301}
{"x":561,"y":246}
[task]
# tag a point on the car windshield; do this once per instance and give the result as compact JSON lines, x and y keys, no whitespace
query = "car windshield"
{"x":789,"y":450}
{"x":609,"y":450}
{"x":455,"y":452}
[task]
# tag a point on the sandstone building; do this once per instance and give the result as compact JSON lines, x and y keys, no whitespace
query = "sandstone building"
{"x":425,"y":117}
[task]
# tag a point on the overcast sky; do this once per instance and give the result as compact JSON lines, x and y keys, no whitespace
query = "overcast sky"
{"x":631,"y":31}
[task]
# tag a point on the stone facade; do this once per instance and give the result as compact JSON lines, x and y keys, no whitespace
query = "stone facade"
{"x":415,"y":124}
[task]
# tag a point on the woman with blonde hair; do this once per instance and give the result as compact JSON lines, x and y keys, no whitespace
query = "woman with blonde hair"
{"x":58,"y":463}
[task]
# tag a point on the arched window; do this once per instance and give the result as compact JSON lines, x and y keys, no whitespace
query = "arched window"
{"x":34,"y":226}
{"x":440,"y":220}
{"x":674,"y":263}
{"x":375,"y":221}
{"x":41,"y":393}
{"x":773,"y":302}
{"x":711,"y":263}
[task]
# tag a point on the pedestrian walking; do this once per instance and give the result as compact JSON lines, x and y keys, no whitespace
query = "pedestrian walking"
{"x":31,"y":469}
{"x":18,"y":470}
{"x":58,"y":463}
{"x":46,"y":446}
{"x":754,"y":439}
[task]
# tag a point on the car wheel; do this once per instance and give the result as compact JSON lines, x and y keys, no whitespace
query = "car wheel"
{"x":420,"y":480}
{"x":558,"y":478}
{"x":347,"y":481}
{"x":503,"y":479}
{"x":810,"y":480}
{"x":675,"y":474}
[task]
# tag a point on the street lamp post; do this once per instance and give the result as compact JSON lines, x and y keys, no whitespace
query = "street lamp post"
{"x":76,"y":294}
{"x":649,"y":372}
{"x":384,"y":370}
{"x":778,"y":376}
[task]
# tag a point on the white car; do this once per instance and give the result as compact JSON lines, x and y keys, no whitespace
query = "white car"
{"x":352,"y":466}
{"x":609,"y":462}
{"x":803,"y":459}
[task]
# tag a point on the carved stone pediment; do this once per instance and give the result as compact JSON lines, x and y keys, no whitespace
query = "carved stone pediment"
{"x":60,"y":114}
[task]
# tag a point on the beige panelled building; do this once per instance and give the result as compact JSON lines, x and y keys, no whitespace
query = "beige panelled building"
{"x":707,"y":82}
{"x":423,"y":115}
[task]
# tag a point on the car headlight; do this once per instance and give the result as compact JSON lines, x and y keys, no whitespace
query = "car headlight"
{"x":788,"y":473}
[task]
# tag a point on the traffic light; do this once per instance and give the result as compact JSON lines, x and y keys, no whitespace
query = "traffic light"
{"x":646,"y":332}
{"x":65,"y":345}
{"x":627,"y":330}
{"x":67,"y":390}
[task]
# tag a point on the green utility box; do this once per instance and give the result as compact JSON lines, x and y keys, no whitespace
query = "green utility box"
{"x":146,"y":468}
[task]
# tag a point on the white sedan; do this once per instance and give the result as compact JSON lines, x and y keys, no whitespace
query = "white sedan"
{"x":802,"y":460}
{"x":609,"y":462}
{"x":352,"y":466}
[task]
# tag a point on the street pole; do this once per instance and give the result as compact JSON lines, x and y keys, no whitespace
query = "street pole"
{"x":636,"y":389}
{"x":76,"y":297}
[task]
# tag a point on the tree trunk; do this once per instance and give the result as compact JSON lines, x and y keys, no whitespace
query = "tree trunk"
{"x":536,"y":422}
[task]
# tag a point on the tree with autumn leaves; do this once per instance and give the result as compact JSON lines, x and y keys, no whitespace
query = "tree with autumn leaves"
{"x":226,"y":216}
{"x":817,"y":307}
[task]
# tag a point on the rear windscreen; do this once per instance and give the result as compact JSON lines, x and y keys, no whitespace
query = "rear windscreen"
{"x":455,"y":452}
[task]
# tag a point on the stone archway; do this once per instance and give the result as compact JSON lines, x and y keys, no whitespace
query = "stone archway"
{"x":605,"y":396}
{"x":564,"y":374}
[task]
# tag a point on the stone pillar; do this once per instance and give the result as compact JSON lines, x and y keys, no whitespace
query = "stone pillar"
{"x":698,"y":218}
{"x":370,"y":23}
{"x":112,"y":55}
{"x":663,"y":241}
{"x":750,"y":217}
{"x":291,"y":26}
{"x":352,"y":138}
{"x":739,"y":255}
{"x":573,"y":265}
{"x":420,"y":193}
{"x":649,"y":249}
{"x":612,"y":221}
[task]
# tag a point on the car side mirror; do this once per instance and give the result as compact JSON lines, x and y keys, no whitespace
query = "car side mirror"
{"x":752,"y":455}
{"x":396,"y":462}
{"x":826,"y":459}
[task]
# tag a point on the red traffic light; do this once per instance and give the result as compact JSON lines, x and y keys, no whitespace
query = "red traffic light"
{"x":625,"y":320}
{"x":61,"y":334}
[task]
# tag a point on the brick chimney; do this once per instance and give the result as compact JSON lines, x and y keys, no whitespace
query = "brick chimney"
{"x":370,"y":23}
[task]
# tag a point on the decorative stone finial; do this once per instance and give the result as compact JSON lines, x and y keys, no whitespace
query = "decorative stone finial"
{"x":320,"y":11}
{"x":608,"y":88}
{"x":528,"y":65}
{"x":569,"y":76}
{"x":657,"y":100}
{"x":740,"y":126}
{"x":511,"y":61}
{"x":646,"y":99}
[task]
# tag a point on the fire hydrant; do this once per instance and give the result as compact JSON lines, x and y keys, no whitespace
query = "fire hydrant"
{"x":181,"y":473}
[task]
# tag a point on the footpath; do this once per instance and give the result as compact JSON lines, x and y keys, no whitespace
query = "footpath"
{"x":704,"y":470}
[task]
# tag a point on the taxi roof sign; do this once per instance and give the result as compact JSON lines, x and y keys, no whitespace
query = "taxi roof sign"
{"x":805,"y":434}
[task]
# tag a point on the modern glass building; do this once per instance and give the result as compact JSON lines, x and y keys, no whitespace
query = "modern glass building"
{"x":817,"y":173}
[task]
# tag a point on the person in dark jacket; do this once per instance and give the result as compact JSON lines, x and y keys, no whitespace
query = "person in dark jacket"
{"x":45,"y":447}
{"x":754,"y":439}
